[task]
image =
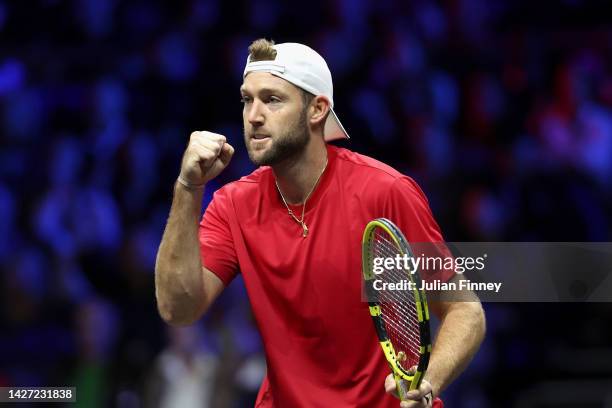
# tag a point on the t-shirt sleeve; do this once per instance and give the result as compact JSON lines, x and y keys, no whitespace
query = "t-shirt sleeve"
{"x":216,"y":242}
{"x":406,"y":205}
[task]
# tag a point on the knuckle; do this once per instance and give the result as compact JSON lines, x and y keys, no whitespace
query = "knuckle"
{"x":217,"y":137}
{"x":204,"y":135}
{"x":207,"y":154}
{"x":210,"y":135}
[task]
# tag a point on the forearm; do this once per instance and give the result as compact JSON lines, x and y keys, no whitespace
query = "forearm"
{"x":461,"y":331}
{"x":179,"y":285}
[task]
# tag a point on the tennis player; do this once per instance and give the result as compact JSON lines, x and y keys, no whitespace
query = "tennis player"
{"x":293,"y":229}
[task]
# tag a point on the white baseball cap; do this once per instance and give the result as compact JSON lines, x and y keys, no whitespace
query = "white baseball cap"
{"x":306,"y":69}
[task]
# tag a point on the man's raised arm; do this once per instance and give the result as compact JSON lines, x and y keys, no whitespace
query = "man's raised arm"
{"x":183,"y":287}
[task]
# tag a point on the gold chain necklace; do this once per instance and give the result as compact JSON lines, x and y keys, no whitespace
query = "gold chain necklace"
{"x":301,"y":219}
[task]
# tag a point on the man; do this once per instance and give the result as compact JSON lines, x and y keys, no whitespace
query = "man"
{"x":293,"y":229}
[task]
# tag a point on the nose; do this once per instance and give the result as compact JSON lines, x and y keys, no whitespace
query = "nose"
{"x":254,"y":113}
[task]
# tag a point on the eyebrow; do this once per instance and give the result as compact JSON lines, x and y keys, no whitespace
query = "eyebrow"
{"x":265,"y":91}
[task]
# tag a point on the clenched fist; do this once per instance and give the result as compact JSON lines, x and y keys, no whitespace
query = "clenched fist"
{"x":205,"y":157}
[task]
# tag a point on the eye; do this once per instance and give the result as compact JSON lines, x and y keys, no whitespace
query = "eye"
{"x":274,"y":99}
{"x":245,"y":99}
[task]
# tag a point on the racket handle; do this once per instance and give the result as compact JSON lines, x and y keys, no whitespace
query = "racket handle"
{"x":402,"y":387}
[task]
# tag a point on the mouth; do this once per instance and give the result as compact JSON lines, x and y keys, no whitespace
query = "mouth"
{"x":259,"y":137}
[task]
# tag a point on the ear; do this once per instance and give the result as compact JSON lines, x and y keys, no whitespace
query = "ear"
{"x":319,"y":108}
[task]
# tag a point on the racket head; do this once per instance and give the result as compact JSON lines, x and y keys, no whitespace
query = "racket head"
{"x":401,"y":318}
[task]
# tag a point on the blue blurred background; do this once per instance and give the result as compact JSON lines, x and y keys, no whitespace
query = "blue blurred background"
{"x":501,"y":110}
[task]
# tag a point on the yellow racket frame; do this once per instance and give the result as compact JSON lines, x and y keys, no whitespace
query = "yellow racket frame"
{"x":405,"y":380}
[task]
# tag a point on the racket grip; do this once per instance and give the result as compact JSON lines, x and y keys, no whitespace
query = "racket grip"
{"x":402,"y":387}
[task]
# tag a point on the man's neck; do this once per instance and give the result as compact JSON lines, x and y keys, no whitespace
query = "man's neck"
{"x":297,"y":176}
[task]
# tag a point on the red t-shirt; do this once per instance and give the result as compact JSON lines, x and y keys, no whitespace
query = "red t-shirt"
{"x":321,"y":347}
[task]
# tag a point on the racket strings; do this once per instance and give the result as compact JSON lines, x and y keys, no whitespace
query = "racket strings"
{"x":398,"y":307}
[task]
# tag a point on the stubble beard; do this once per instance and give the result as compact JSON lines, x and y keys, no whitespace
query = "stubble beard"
{"x":291,"y":143}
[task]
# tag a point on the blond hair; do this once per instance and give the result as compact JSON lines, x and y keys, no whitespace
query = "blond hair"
{"x":262,"y":50}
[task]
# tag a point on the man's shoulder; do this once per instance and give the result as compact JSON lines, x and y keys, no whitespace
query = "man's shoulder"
{"x":380,"y":178}
{"x":361,"y":165}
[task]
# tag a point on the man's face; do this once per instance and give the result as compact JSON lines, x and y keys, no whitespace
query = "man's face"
{"x":274,"y":118}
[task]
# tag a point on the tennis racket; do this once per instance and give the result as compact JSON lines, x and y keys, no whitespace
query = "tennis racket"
{"x":401,"y":317}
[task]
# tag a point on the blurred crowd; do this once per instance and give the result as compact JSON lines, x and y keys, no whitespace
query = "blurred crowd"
{"x":501,"y":111}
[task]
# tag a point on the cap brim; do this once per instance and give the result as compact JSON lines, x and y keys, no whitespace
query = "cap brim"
{"x":333,"y":128}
